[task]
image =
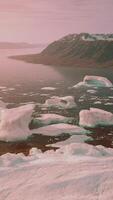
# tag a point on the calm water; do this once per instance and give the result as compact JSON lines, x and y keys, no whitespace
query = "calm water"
{"x":25,"y":80}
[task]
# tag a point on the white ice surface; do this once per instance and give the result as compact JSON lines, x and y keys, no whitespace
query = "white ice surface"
{"x":95,"y":117}
{"x":95,"y":37}
{"x":74,"y":172}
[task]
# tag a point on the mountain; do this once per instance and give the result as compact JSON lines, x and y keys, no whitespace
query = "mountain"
{"x":83,"y":50}
{"x":14,"y":45}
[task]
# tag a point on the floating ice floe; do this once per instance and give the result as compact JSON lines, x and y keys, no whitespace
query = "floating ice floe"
{"x":97,"y":102}
{"x":48,"y":88}
{"x":3,"y":87}
{"x":47,"y":119}
{"x":108,"y":104}
{"x":95,"y":117}
{"x":110,"y":97}
{"x":66,"y":102}
{"x":74,"y":172}
{"x":14,"y":123}
{"x":94,"y":81}
{"x":92,"y":91}
{"x":58,"y":129}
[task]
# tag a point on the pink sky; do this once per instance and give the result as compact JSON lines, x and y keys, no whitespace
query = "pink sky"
{"x":46,"y":20}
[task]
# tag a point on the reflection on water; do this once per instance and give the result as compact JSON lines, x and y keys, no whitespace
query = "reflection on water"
{"x":27,"y":79}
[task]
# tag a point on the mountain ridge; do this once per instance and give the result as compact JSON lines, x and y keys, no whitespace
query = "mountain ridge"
{"x":76,"y":50}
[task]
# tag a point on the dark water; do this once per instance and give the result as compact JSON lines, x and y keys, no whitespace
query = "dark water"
{"x":22,"y":83}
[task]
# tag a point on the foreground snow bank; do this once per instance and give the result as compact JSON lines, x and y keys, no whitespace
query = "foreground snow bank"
{"x":47,"y":119}
{"x":66,"y":102}
{"x":14,"y":123}
{"x":75,"y":172}
{"x":58,"y":129}
{"x":94,"y":81}
{"x":95,"y":117}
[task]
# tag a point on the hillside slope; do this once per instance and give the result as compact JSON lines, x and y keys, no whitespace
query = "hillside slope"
{"x":76,"y":50}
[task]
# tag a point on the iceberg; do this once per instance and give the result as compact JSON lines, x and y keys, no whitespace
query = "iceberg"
{"x":14,"y":123}
{"x":66,"y":102}
{"x":95,"y":117}
{"x":94,"y":81}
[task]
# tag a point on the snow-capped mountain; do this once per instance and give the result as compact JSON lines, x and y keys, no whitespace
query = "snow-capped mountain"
{"x":80,"y":50}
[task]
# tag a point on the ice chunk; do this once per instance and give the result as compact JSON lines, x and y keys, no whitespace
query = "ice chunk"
{"x":14,"y":123}
{"x":97,"y":81}
{"x":47,"y":119}
{"x":66,"y":102}
{"x":58,"y":129}
{"x":94,"y":81}
{"x":95,"y":117}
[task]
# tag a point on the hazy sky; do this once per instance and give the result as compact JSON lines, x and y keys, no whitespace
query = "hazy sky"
{"x":46,"y":20}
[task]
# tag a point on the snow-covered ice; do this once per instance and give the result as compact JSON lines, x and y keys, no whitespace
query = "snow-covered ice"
{"x":58,"y":129}
{"x":94,"y":81}
{"x":95,"y":37}
{"x":14,"y":123}
{"x":66,"y":102}
{"x":74,"y":172}
{"x":94,"y":117}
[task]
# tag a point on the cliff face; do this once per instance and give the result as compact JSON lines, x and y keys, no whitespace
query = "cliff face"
{"x":76,"y":50}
